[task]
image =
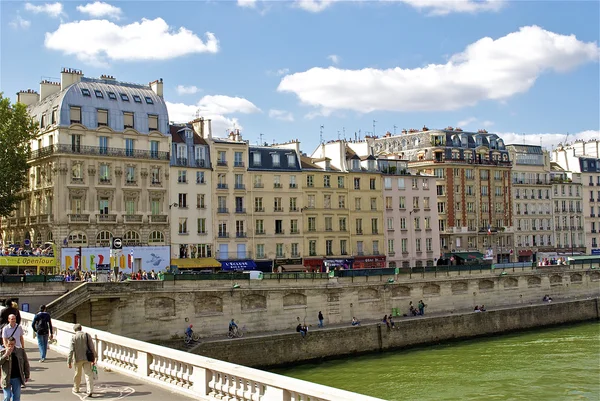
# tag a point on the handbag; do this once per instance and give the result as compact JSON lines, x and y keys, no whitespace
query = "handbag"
{"x":89,"y":354}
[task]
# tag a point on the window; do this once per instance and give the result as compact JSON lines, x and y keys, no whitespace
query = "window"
{"x":404,"y":245}
{"x":292,"y":181}
{"x":103,"y":144}
{"x":155,"y":207}
{"x":295,"y":249}
{"x":327,"y":181}
{"x":182,"y":176}
{"x":279,"y":227}
{"x":260,"y":251}
{"x":342,"y":202}
{"x":156,"y":237}
{"x":85,"y":92}
{"x":222,"y":158}
{"x":293,"y":204}
{"x":294,"y":226}
{"x":312,"y":224}
{"x":357,"y":183}
{"x":130,"y":207}
{"x":75,"y":113}
{"x":276,"y":161}
{"x":277,"y":181}
{"x":129,"y":147}
{"x":402,"y":202}
{"x":343,"y":247}
{"x":130,"y":176}
{"x":357,"y":203}
{"x":291,"y":159}
{"x":387,"y":183}
{"x":329,"y":247}
{"x":258,"y":205}
{"x":112,"y":96}
{"x":310,"y":180}
{"x":183,"y":225}
{"x":401,"y":184}
{"x":259,"y":226}
{"x":104,"y":173}
{"x":340,"y":182}
{"x":200,"y":177}
{"x":200,"y":201}
{"x":237,"y":159}
{"x":372,"y":183}
{"x":391,"y":247}
{"x":277,"y":205}
{"x":127,"y":119}
{"x":312,"y":248}
{"x":342,"y":223}
{"x":201,"y":225}
{"x":149,"y":100}
{"x":153,"y":122}
{"x":103,"y":205}
{"x":359,"y":229}
{"x":98,"y":93}
{"x":388,"y":203}
{"x":204,"y":250}
{"x":54,"y":116}
{"x":102,"y":118}
{"x":374,"y":226}
{"x":182,"y":200}
{"x":311,"y":201}
{"x":137,"y":99}
{"x":76,"y":205}
{"x":427,"y":223}
{"x":327,"y":201}
{"x":124,"y":97}
{"x":256,"y":159}
{"x":328,"y":224}
{"x":373,"y":203}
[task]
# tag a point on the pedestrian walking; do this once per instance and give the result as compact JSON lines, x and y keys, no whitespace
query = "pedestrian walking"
{"x":15,"y":370}
{"x":320,"y":319}
{"x":42,"y":327}
{"x":12,"y":308}
{"x":14,"y":330}
{"x":83,"y":354}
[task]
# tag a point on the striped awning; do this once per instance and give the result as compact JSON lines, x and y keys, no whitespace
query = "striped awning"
{"x":197,"y":263}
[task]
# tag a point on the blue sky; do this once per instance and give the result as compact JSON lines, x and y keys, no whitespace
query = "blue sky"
{"x":283,"y":69}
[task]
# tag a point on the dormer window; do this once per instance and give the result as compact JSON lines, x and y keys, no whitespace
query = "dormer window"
{"x":355,"y":165}
{"x":256,"y":158}
{"x":137,"y":99}
{"x":276,"y":161}
{"x":99,"y":93}
{"x":149,"y":100}
{"x":112,"y":96}
{"x":291,"y":160}
{"x":86,"y":92}
{"x":124,"y":97}
{"x":371,"y":164}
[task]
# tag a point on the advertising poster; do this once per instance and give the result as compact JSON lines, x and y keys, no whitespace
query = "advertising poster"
{"x":145,"y":258}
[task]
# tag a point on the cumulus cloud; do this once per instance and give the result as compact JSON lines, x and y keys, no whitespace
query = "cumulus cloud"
{"x":314,"y":6}
{"x":217,"y":108}
{"x":98,"y":41}
{"x":281,"y":115}
{"x":486,"y":70}
{"x":246,"y":3}
{"x":444,"y":7}
{"x":20,"y":23}
{"x":54,"y":10}
{"x":100,"y":9}
{"x":334,"y":58}
{"x":187,"y":90}
{"x":548,"y":140}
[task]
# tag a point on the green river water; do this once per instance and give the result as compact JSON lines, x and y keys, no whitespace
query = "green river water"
{"x":549,"y":364}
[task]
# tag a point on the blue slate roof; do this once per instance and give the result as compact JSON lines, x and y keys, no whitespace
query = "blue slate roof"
{"x":266,"y":159}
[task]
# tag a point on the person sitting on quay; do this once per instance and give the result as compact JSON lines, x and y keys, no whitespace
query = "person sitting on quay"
{"x":302,"y":329}
{"x":386,"y":321}
{"x":391,"y":323}
{"x":547,"y":298}
{"x":355,"y":321}
{"x":482,"y":308}
{"x":476,"y":309}
{"x":412,"y":310}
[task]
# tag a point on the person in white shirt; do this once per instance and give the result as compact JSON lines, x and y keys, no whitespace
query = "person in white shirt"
{"x":12,"y":329}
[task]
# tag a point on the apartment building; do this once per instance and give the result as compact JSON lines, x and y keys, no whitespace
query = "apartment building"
{"x":231,"y":201}
{"x":275,"y":196}
{"x":582,"y":159}
{"x":99,"y":164}
{"x":473,"y":186}
{"x":532,"y":197}
{"x":190,"y":206}
{"x":363,"y":183}
{"x":412,"y":234}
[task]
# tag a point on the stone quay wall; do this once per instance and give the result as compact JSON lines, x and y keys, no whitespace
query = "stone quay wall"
{"x":286,"y":349}
{"x":161,"y":310}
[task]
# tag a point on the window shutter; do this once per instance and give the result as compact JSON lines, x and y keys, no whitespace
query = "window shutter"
{"x":127,"y":120}
{"x":102,"y":117}
{"x":75,"y":114}
{"x":153,"y":123}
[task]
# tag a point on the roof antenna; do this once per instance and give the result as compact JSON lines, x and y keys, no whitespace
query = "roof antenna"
{"x":338,"y":135}
{"x":374,"y":121}
{"x":260,"y":139}
{"x":395,"y":126}
{"x":321,"y":132}
{"x":344,"y":131}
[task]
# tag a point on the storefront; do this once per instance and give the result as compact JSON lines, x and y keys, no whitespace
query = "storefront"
{"x":265,"y":266}
{"x":525,"y":255}
{"x":289,"y":265}
{"x":338,"y":264}
{"x":313,"y":264}
{"x":369,"y":262}
{"x":237,"y":265}
{"x":196,"y":263}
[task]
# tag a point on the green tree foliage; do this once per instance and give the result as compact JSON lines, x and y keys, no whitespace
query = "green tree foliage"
{"x":17,"y":128}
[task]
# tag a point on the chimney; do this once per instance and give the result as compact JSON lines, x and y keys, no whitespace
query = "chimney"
{"x":107,"y":78}
{"x":68,"y":77}
{"x":28,"y":97}
{"x":157,"y":87}
{"x":209,"y":129}
{"x":198,"y":125}
{"x":48,"y":88}
{"x":237,"y":135}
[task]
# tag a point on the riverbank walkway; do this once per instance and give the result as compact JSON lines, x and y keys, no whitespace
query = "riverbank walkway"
{"x":53,"y":381}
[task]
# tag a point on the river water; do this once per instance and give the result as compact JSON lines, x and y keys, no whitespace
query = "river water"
{"x":549,"y":364}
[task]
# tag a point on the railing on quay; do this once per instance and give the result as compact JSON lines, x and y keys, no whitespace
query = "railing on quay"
{"x":192,"y":375}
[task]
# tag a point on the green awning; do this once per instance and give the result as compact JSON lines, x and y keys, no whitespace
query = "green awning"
{"x":466,"y":255}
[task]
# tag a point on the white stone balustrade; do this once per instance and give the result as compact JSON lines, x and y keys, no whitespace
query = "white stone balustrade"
{"x":199,"y":377}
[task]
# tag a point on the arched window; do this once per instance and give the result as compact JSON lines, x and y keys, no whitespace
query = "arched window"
{"x":131,"y":238}
{"x":156,"y":237}
{"x":103,"y":238}
{"x":38,"y":238}
{"x":392,"y":265}
{"x":50,"y":237}
{"x":77,"y":238}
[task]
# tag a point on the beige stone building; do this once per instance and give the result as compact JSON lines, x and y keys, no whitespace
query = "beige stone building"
{"x":99,"y":164}
{"x":532,"y":197}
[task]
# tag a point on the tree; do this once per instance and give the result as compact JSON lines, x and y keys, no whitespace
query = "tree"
{"x":17,"y":129}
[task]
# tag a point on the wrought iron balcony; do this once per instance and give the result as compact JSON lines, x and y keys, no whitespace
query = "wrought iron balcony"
{"x":59,"y":149}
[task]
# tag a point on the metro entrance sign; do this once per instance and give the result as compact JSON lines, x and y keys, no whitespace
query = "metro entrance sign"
{"x":117,"y":243}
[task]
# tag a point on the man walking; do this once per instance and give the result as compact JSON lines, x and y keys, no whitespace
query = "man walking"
{"x":42,"y":327}
{"x":14,"y":330}
{"x":80,"y":345}
{"x":320,"y":319}
{"x":15,"y":370}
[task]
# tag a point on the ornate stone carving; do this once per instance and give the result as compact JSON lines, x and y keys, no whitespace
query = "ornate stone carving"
{"x":91,"y":170}
{"x":131,"y":194}
{"x":77,"y":192}
{"x":118,"y":171}
{"x":105,"y":193}
{"x":144,"y":173}
{"x":63,"y":169}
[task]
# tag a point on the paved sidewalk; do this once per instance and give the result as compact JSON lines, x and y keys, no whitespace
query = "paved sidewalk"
{"x":53,"y":381}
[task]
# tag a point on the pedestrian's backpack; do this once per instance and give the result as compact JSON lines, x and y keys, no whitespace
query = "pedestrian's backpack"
{"x":41,"y":326}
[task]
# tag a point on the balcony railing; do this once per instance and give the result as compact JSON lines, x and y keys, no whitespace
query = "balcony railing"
{"x":280,"y":232}
{"x":133,"y":218}
{"x":222,"y":210}
{"x":240,"y":234}
{"x":221,"y":186}
{"x":223,"y":234}
{"x":259,"y":209}
{"x":106,"y":218}
{"x":98,"y":150}
{"x":233,"y":255}
{"x":180,"y":161}
{"x":259,"y":185}
{"x":79,"y":218}
{"x":221,"y":162}
{"x":158,"y":218}
{"x":240,"y":186}
{"x":238,"y":164}
{"x":240,"y":210}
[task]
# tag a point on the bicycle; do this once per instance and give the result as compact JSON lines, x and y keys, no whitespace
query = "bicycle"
{"x":194,"y":337}
{"x":236,"y":332}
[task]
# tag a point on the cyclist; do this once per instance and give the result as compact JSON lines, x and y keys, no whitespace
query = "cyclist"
{"x":232,"y":326}
{"x":189,"y":331}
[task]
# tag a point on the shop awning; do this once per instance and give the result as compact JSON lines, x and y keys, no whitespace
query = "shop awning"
{"x":292,"y":268}
{"x":198,"y":263}
{"x":465,"y":255}
{"x":238,"y":265}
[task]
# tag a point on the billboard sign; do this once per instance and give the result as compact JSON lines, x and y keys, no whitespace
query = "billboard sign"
{"x":155,"y":258}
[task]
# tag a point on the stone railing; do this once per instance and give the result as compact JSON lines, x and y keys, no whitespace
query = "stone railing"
{"x":192,"y":375}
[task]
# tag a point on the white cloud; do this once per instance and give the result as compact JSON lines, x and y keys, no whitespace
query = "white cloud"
{"x":282,"y":71}
{"x":445,"y":7}
{"x":488,"y":123}
{"x":548,"y":139}
{"x":486,"y":70}
{"x":54,"y":10}
{"x":217,"y":108}
{"x":20,"y":23}
{"x":97,"y":41}
{"x":100,"y":9}
{"x":246,"y":3}
{"x":314,"y":6}
{"x":335,"y":59}
{"x":466,"y":122}
{"x":187,"y":90}
{"x":281,"y":115}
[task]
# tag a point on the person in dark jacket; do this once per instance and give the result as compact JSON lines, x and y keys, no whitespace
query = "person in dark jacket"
{"x":42,"y":327}
{"x":320,"y":319}
{"x":15,"y":370}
